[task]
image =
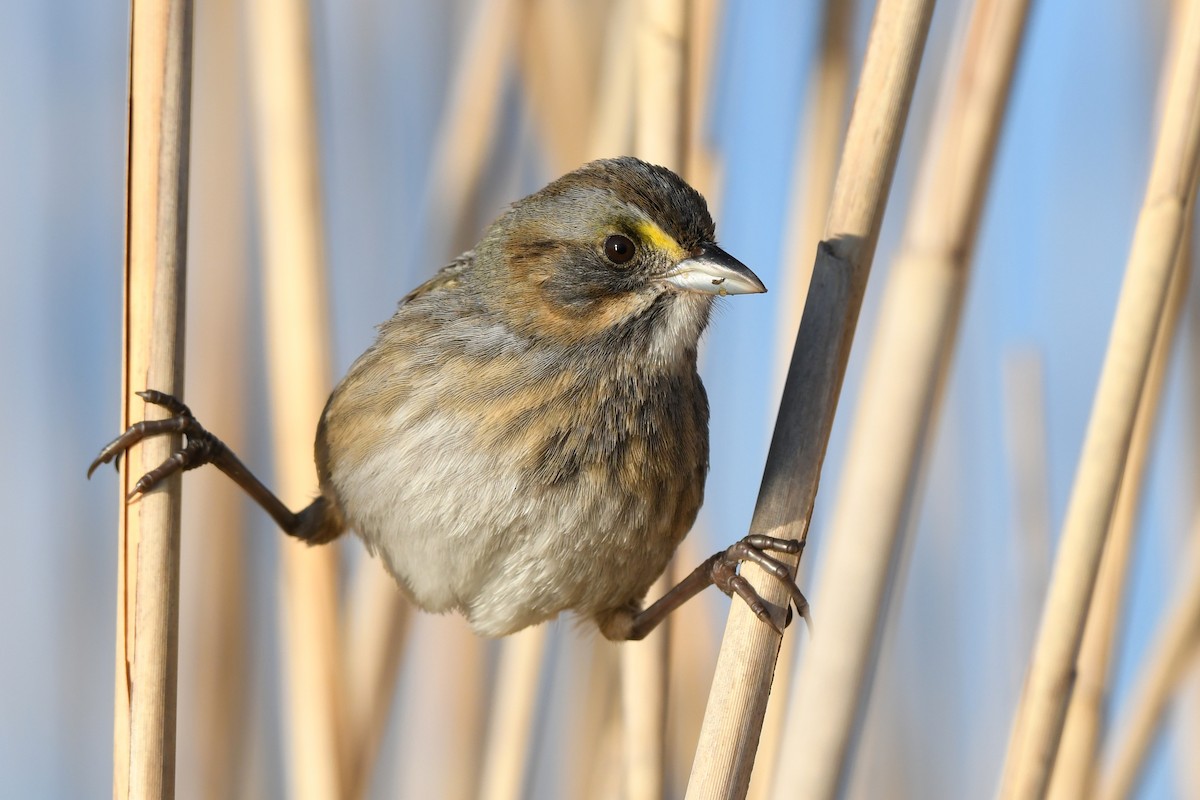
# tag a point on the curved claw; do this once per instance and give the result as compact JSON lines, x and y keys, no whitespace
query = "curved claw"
{"x":751,"y":549}
{"x":139,"y":431}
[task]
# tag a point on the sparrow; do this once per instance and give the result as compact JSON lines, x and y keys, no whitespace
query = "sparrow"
{"x":528,"y":434}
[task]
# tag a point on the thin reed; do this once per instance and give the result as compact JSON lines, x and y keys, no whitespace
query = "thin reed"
{"x":1168,"y":202}
{"x":299,"y":379}
{"x":906,"y":370}
{"x":160,"y":76}
{"x":736,"y":705}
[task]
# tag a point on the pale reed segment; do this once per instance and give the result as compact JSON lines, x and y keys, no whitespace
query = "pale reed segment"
{"x":660,"y":92}
{"x":299,"y":374}
{"x":559,"y":55}
{"x":1175,"y":651}
{"x":1168,"y":202}
{"x":612,"y":127}
{"x":1075,"y":766}
{"x":509,"y":745}
{"x":661,"y":82}
{"x":644,"y":708}
{"x":377,"y":622}
{"x":220,"y":717}
{"x":907,"y":366}
{"x":824,"y":123}
{"x":745,"y":665}
{"x":160,"y":74}
{"x":470,"y":120}
{"x":701,"y":162}
{"x":908,"y":355}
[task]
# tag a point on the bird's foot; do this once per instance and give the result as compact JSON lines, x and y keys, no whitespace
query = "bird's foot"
{"x":200,"y":447}
{"x":723,"y":567}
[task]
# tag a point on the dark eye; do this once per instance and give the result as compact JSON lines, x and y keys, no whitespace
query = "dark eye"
{"x":619,"y":249}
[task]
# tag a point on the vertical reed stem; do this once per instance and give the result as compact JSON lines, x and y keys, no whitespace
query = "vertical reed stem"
{"x":747,"y":660}
{"x":160,"y":76}
{"x":1168,"y":201}
{"x":1075,"y":768}
{"x":298,"y":358}
{"x":906,"y":369}
{"x":214,"y":652}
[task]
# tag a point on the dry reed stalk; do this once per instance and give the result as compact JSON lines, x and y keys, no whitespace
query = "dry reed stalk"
{"x":659,"y":130}
{"x":824,"y":122}
{"x":1074,"y":768}
{"x":1168,"y":201}
{"x":214,"y":640}
{"x":468,"y":127}
{"x":376,"y":624}
{"x":692,"y":646}
{"x":746,"y":662}
{"x":592,"y":753}
{"x":906,"y":370}
{"x":1074,"y":772}
{"x":1176,"y":649}
{"x":701,"y":165}
{"x":559,"y":56}
{"x":812,"y":184}
{"x":514,"y":703}
{"x":299,"y":370}
{"x":612,"y":128}
{"x":160,"y":76}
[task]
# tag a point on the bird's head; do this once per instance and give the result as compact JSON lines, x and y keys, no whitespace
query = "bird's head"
{"x":616,"y":249}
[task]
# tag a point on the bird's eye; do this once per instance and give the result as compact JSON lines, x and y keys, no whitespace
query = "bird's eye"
{"x":619,"y":249}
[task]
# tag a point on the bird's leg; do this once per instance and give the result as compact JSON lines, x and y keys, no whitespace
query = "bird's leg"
{"x":721,"y":570}
{"x":200,"y":448}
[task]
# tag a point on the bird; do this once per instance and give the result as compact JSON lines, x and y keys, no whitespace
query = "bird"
{"x":528,"y":433}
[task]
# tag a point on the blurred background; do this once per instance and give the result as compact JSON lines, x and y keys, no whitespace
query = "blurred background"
{"x":429,"y":121}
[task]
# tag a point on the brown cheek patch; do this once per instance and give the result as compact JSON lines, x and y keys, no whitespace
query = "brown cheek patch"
{"x":532,"y":312}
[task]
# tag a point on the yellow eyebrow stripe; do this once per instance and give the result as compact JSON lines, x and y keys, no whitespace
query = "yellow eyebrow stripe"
{"x":661,"y":240}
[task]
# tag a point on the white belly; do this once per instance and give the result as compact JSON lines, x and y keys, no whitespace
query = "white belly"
{"x":458,"y":531}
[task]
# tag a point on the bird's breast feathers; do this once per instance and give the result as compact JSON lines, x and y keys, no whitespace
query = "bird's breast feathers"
{"x":496,"y":500}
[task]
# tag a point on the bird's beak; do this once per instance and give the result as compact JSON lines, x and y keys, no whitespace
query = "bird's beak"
{"x":710,"y":270}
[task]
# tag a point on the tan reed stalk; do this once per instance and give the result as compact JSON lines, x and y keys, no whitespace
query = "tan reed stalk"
{"x":1075,"y":767}
{"x":1175,"y":650}
{"x":736,"y":705}
{"x":692,"y":648}
{"x":612,"y":129}
{"x":906,"y":369}
{"x":376,"y":624}
{"x":514,"y":705}
{"x":1169,"y":193}
{"x":592,"y":752}
{"x":468,"y":126}
{"x":299,"y":377}
{"x":160,"y":77}
{"x":1074,"y":772}
{"x":1025,"y":434}
{"x":1187,"y":767}
{"x":559,"y":56}
{"x":701,"y":165}
{"x":214,"y":657}
{"x":659,"y":130}
{"x":824,"y":123}
{"x":812,"y":183}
